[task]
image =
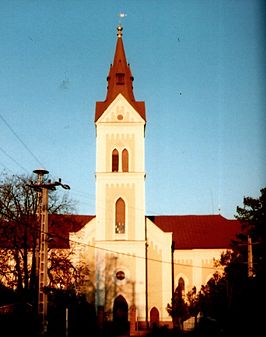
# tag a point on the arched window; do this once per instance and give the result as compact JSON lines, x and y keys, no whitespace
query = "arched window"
{"x":125,"y":160}
{"x":115,"y":160}
{"x":120,"y":216}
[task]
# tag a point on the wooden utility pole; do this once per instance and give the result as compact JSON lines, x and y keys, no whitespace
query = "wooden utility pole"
{"x":42,"y":189}
{"x":250,"y":257}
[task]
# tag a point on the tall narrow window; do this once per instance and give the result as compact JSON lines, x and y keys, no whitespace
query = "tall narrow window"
{"x":115,"y":160}
{"x":120,"y":216}
{"x":125,"y":160}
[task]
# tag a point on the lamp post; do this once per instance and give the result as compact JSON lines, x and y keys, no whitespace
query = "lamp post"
{"x":42,"y":189}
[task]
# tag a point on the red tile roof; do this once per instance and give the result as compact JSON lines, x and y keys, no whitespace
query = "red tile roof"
{"x":198,"y":231}
{"x":189,"y":231}
{"x":60,"y":225}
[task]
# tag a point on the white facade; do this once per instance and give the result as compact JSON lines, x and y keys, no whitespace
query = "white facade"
{"x":131,"y":258}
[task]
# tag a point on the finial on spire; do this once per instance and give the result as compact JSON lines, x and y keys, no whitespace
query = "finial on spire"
{"x":119,"y":30}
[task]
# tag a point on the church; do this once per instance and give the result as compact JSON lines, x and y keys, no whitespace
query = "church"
{"x":136,"y":261}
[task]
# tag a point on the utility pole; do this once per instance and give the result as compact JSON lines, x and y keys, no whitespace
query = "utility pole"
{"x":250,"y":257}
{"x":42,"y":189}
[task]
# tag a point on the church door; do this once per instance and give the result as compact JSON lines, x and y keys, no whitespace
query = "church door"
{"x":154,"y":317}
{"x":120,"y":316}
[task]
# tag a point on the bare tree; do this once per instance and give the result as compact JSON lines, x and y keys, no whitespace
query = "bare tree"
{"x":19,"y":232}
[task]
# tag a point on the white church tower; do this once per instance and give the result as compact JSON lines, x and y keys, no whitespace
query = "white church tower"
{"x":120,"y":195}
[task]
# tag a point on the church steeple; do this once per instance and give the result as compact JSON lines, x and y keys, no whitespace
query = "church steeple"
{"x":120,"y":81}
{"x":120,"y":190}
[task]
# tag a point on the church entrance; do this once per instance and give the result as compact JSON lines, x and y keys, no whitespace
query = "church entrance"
{"x":120,"y":316}
{"x":154,"y":317}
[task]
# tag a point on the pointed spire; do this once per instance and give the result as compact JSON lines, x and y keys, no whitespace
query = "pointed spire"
{"x":120,"y":80}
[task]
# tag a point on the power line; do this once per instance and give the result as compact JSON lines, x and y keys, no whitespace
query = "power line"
{"x":122,"y":253}
{"x":129,"y":254}
{"x":20,"y":140}
{"x":5,"y":167}
{"x":53,"y":235}
{"x":14,"y":160}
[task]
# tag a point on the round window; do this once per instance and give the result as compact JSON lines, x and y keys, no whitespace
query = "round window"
{"x":120,"y":275}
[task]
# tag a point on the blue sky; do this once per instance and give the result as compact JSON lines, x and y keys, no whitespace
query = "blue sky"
{"x":198,"y":65}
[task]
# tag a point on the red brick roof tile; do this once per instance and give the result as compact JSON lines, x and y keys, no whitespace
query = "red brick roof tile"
{"x":198,"y":231}
{"x":60,"y":225}
{"x":189,"y":231}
